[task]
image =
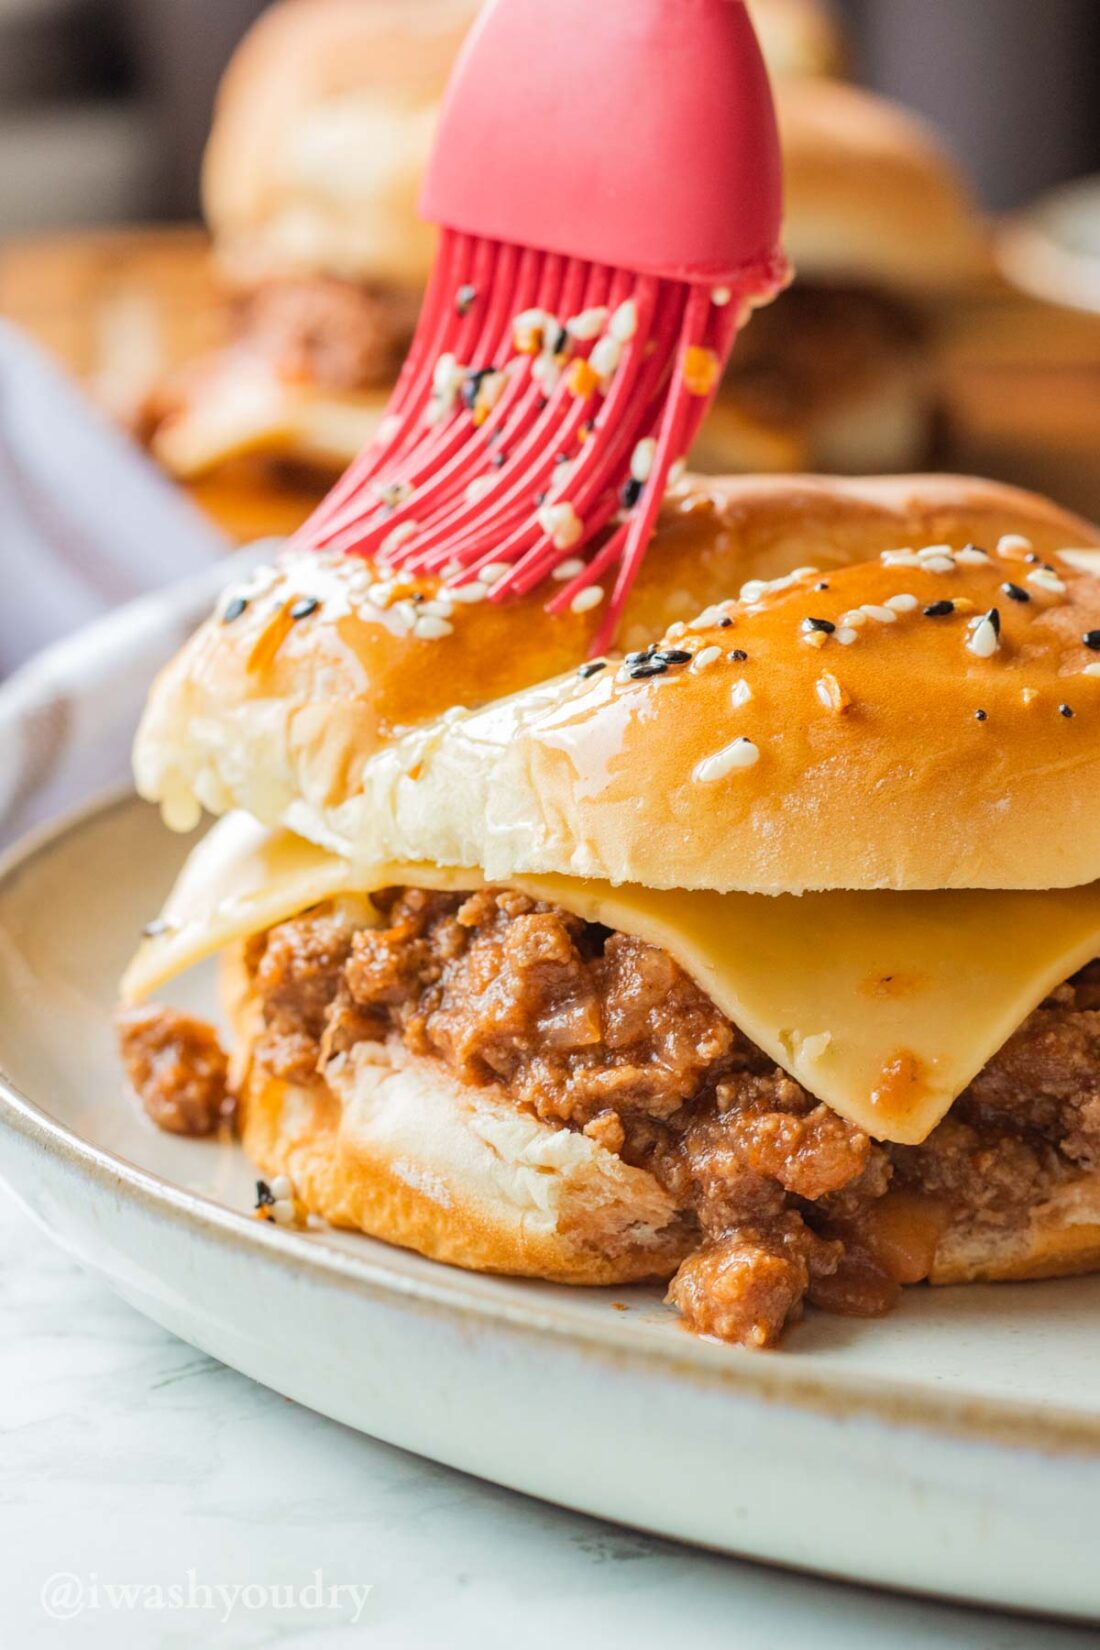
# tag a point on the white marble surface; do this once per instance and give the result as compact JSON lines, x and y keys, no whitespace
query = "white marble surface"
{"x":127,"y":1459}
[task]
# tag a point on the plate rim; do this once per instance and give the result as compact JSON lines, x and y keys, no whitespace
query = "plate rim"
{"x":773,"y":1378}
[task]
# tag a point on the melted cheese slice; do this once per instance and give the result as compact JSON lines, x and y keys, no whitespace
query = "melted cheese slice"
{"x":883,"y":1005}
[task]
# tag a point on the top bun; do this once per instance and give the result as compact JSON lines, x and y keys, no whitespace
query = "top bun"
{"x":927,"y":720}
{"x":277,"y":715}
{"x":322,"y":131}
{"x":872,"y":194}
{"x":326,"y":115}
{"x":797,"y":37}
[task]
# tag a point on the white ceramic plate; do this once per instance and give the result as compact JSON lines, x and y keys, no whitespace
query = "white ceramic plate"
{"x":953,"y":1448}
{"x":1052,"y":249}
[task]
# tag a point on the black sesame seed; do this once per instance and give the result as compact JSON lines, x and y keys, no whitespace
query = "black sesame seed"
{"x":465,"y":298}
{"x":939,"y":610}
{"x":981,"y":716}
{"x":1033,"y":558}
{"x":725,"y":623}
{"x":640,"y":658}
{"x":826,"y":626}
{"x":302,"y":609}
{"x":592,"y":668}
{"x":652,"y":667}
{"x":264,"y":1195}
{"x":1014,"y":592}
{"x":154,"y":929}
{"x":738,"y":656}
{"x":499,"y":460}
{"x":234,"y":610}
{"x":1066,"y":711}
{"x":540,"y":499}
{"x":561,"y":458}
{"x":976,"y":547}
{"x":471,"y":384}
{"x":542,"y":403}
{"x":993,"y":617}
{"x":1091,"y":639}
{"x":557,"y":343}
{"x":632,"y":492}
{"x":822,"y":586}
{"x":673,"y":656}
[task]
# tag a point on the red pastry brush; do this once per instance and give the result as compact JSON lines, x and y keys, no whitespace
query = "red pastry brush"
{"x":608,"y":176}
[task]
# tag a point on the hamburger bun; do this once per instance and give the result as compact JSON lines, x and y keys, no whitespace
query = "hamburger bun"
{"x":278,"y":716}
{"x":798,"y":37}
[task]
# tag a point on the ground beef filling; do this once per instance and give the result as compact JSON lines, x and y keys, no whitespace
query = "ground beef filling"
{"x":177,"y":1067}
{"x":334,"y":334}
{"x":597,"y":1031}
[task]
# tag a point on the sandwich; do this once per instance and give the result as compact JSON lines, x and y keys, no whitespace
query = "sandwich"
{"x":321,"y":134}
{"x":759,"y":960}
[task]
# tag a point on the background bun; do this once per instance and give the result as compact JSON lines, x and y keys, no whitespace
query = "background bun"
{"x":322,"y":130}
{"x":277,"y":716}
{"x":872,"y":194}
{"x":946,"y":735}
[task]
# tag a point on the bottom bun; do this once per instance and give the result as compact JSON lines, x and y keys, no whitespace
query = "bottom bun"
{"x":390,"y":1144}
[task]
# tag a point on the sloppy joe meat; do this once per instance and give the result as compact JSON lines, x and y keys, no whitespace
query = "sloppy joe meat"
{"x":335,"y":334}
{"x":598,"y":1031}
{"x":177,"y":1067}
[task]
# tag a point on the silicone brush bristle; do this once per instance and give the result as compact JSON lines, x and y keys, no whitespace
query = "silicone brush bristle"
{"x":542,"y":408}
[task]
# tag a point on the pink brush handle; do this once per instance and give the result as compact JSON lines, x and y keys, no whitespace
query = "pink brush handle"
{"x":635,"y":133}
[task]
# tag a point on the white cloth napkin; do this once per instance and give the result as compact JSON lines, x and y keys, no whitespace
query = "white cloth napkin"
{"x":86,"y":521}
{"x":104,"y":570}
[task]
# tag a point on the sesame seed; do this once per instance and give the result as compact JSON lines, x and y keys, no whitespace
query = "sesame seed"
{"x":822,"y":586}
{"x":478,"y":488}
{"x":982,"y":641}
{"x":154,"y":929}
{"x":430,"y":629}
{"x":585,"y":600}
{"x":831,"y":694}
{"x":734,"y":758}
{"x":465,"y":298}
{"x":904,"y":603}
{"x":854,"y":620}
{"x":673,"y":655}
{"x":234,"y":609}
{"x":606,"y":356}
{"x":587,"y":325}
{"x":881,"y":615}
{"x":646,"y":668}
{"x":632,"y":492}
{"x":561,"y":524}
{"x":1014,"y":592}
{"x":264,"y":1197}
{"x":939,"y":610}
{"x":738,"y":656}
{"x":826,"y":626}
{"x":641,"y":459}
{"x":495,"y":570}
{"x":706,"y":656}
{"x":304,"y":607}
{"x":401,"y":534}
{"x":281,"y":1186}
{"x":624,"y":322}
{"x":1066,"y":711}
{"x":566,"y":570}
{"x":675,"y":631}
{"x":721,"y":296}
{"x":815,"y":638}
{"x":971,"y":556}
{"x":1091,"y":639}
{"x":1046,"y":579}
{"x":677,"y":472}
{"x":282,"y":1210}
{"x":1091,"y":670}
{"x":900,"y":558}
{"x":592,"y":668}
{"x":439,"y":607}
{"x":468,"y":594}
{"x":846,"y":636}
{"x":1029,"y":695}
{"x":938,"y":564}
{"x":1013,"y":545}
{"x":741,"y":695}
{"x":981,"y":716}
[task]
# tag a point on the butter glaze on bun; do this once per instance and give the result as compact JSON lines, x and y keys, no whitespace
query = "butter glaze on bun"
{"x":277,"y":716}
